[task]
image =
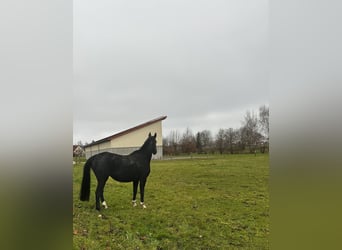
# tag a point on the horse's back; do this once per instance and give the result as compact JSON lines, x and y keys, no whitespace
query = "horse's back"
{"x":102,"y":162}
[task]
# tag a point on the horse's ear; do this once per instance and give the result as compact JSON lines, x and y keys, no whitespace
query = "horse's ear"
{"x":149,"y":134}
{"x":155,"y":135}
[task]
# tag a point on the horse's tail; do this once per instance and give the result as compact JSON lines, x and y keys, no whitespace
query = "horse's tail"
{"x":85,"y":188}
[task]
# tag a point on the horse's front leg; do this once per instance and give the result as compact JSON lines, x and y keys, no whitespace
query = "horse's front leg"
{"x":135,"y":189}
{"x":142,"y":192}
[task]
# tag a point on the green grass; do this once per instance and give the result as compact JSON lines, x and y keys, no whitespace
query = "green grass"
{"x":218,"y":202}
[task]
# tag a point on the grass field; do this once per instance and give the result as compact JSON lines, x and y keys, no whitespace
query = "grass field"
{"x":218,"y":202}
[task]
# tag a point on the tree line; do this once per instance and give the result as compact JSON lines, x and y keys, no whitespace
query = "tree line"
{"x":251,"y":137}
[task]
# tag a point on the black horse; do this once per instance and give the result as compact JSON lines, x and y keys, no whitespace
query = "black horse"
{"x":123,"y":168}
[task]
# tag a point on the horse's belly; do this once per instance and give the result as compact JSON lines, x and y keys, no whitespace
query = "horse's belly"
{"x":123,"y":177}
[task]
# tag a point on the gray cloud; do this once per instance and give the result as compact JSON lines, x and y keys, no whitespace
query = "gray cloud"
{"x":200,"y":63}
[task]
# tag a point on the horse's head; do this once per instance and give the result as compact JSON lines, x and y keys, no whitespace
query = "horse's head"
{"x":152,"y":143}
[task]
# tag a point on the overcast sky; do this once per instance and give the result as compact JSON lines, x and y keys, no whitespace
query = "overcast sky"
{"x":201,"y":63}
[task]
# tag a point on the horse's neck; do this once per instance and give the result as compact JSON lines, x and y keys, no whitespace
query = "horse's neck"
{"x":145,"y":154}
{"x":148,"y":156}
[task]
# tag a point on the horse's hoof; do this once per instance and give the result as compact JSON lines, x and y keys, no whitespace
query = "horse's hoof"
{"x":100,"y":216}
{"x":104,"y":204}
{"x":134,"y":203}
{"x":143,"y":205}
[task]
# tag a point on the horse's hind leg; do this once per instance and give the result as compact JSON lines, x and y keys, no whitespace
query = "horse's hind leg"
{"x":99,"y":194}
{"x":104,"y":203}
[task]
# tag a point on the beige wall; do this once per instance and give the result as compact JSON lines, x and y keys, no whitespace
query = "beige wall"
{"x":138,"y":137}
{"x":101,"y":146}
{"x":127,"y":143}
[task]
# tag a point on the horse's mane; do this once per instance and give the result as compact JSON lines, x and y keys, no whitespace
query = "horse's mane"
{"x":145,"y":145}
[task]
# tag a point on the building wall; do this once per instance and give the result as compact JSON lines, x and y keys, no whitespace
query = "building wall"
{"x":130,"y":142}
{"x":138,"y":137}
{"x":98,"y":147}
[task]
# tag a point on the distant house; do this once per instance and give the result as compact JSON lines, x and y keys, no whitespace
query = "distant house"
{"x":77,"y":150}
{"x":127,"y":141}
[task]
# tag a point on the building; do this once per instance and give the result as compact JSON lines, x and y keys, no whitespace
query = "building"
{"x":77,"y":150}
{"x":129,"y":140}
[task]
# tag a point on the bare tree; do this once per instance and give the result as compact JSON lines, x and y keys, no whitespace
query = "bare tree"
{"x":231,"y":138}
{"x":264,"y":115}
{"x":203,"y":141}
{"x":199,"y":143}
{"x":264,"y":127}
{"x":174,"y":141}
{"x":249,"y":132}
{"x":253,"y":133}
{"x":220,"y":140}
{"x":207,"y":140}
{"x":167,"y":149}
{"x":188,"y":142}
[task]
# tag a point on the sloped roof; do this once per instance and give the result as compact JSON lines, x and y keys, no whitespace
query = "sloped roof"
{"x":109,"y":138}
{"x":74,"y":147}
